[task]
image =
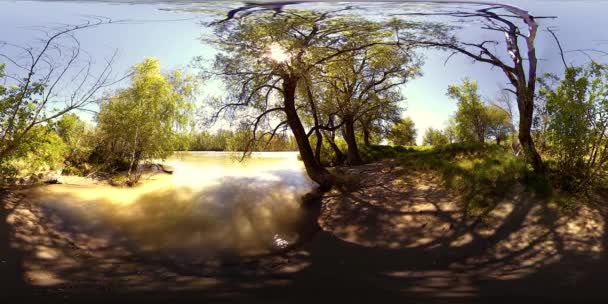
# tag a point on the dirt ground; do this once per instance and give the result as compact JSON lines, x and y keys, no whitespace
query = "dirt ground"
{"x":399,"y":237}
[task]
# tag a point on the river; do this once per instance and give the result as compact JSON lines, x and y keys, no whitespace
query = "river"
{"x":211,"y":205}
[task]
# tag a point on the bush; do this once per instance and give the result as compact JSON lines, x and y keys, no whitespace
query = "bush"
{"x":42,"y":151}
{"x":79,"y":141}
{"x":576,"y":129}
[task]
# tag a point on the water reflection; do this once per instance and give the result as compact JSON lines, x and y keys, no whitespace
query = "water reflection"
{"x":210,"y":206}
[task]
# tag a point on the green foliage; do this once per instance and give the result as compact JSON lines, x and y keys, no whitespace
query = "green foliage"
{"x":141,"y":122}
{"x":475,"y":121}
{"x":42,"y":151}
{"x":338,"y":66}
{"x":481,"y":173}
{"x":434,"y":137}
{"x":79,"y":142}
{"x":378,"y":152}
{"x":498,"y":123}
{"x":471,"y":117}
{"x":403,"y":133}
{"x":25,"y":148}
{"x":451,"y":131}
{"x":577,"y":115}
{"x":228,"y":140}
{"x":18,"y":108}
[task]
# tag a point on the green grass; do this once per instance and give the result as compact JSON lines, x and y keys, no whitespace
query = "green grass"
{"x":481,"y":173}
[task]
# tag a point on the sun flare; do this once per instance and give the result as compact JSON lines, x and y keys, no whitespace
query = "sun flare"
{"x":277,"y":53}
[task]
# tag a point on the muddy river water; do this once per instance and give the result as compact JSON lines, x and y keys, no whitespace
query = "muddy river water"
{"x":212,"y":204}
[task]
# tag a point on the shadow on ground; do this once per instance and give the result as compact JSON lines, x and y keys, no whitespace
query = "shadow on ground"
{"x":398,"y":237}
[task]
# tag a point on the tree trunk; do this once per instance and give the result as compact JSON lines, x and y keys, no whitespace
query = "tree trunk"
{"x":366,"y":136}
{"x":318,"y":146}
{"x":315,"y":115}
{"x":314,"y":170}
{"x":337,"y":151}
{"x":352,"y":154}
{"x":134,"y":163}
{"x":332,"y":142}
{"x":525,"y":103}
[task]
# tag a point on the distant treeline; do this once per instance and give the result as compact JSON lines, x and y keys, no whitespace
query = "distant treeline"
{"x":228,"y":140}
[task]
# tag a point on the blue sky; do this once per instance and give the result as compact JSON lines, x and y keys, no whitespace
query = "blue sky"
{"x":173,"y":37}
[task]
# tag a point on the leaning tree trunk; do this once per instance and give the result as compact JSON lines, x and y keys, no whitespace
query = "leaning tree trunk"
{"x":352,"y":153}
{"x":315,"y":171}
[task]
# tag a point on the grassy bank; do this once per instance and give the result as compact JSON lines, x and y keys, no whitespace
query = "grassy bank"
{"x":482,"y":173}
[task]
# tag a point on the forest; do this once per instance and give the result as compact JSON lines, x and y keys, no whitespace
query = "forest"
{"x":332,"y":86}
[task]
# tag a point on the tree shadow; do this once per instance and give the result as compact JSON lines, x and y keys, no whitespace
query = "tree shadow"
{"x":11,"y":259}
{"x":396,"y":237}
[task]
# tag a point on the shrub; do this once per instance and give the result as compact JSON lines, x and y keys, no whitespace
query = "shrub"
{"x":576,"y":130}
{"x":42,"y":151}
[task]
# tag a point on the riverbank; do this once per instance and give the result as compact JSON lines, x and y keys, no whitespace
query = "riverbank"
{"x":398,"y":235}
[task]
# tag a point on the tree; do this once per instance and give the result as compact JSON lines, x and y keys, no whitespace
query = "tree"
{"x":499,"y":123}
{"x":364,"y":85}
{"x":504,"y":101}
{"x":403,"y":133}
{"x":78,"y":139}
{"x":376,"y":125}
{"x":451,"y":131}
{"x":433,"y":137}
{"x":264,"y":58}
{"x":49,"y":81}
{"x":471,"y":116}
{"x":141,"y":122}
{"x":577,"y":110}
{"x":521,"y":73}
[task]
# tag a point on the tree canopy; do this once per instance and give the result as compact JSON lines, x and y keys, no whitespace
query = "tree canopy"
{"x":471,"y":117}
{"x":140,"y":122}
{"x":307,"y":67}
{"x":403,"y":133}
{"x":434,"y":137}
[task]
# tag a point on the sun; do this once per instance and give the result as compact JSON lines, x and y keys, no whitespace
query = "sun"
{"x":277,"y":53}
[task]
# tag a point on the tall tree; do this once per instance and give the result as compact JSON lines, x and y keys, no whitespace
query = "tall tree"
{"x":141,"y":122}
{"x":499,"y":123}
{"x":521,"y":72}
{"x":471,"y":115}
{"x":504,"y":101}
{"x":434,"y":137}
{"x":451,"y":131}
{"x":403,"y":133}
{"x":365,"y":87}
{"x":577,"y":110}
{"x":51,"y":79}
{"x":265,"y":57}
{"x":78,"y":139}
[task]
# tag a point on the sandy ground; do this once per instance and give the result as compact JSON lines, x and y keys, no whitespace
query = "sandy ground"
{"x":395,"y":238}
